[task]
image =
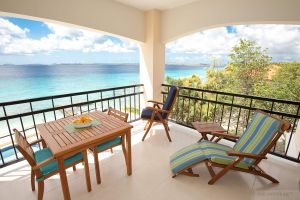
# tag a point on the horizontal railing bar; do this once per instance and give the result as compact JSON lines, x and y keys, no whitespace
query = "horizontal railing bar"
{"x":66,"y":95}
{"x":66,"y":106}
{"x":237,"y":105}
{"x":237,"y":95}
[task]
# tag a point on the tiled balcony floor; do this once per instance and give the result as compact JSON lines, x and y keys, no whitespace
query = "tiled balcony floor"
{"x":151,"y":178}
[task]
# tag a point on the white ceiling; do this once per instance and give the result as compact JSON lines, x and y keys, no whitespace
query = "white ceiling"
{"x":155,"y":4}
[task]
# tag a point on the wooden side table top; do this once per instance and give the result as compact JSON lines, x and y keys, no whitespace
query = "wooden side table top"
{"x":208,"y":127}
{"x":205,"y":128}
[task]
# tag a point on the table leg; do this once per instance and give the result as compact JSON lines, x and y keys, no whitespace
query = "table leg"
{"x":204,"y":136}
{"x":63,"y":179}
{"x":129,"y":161}
{"x":87,"y":171}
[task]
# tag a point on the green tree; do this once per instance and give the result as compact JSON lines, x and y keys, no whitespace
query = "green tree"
{"x":248,"y":66}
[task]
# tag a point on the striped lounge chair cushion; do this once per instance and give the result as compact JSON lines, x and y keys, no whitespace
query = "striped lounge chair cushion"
{"x":259,"y":133}
{"x":198,"y":152}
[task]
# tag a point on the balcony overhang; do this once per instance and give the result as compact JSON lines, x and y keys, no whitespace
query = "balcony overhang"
{"x":178,"y":18}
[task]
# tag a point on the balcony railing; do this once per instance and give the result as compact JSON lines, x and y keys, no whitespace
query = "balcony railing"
{"x":25,"y":114}
{"x":233,"y":112}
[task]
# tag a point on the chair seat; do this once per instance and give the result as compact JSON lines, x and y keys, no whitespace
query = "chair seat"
{"x":109,"y":143}
{"x":45,"y":154}
{"x":147,"y":113}
{"x":201,"y":151}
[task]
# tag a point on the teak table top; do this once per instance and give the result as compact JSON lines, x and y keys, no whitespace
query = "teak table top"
{"x":62,"y":142}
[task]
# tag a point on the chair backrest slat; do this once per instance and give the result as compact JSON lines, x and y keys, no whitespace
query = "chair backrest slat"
{"x":24,"y":147}
{"x":118,"y":114}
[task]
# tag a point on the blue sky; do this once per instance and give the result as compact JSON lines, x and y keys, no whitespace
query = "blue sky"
{"x":32,"y":42}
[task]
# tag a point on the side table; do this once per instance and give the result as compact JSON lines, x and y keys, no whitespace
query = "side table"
{"x":205,"y":128}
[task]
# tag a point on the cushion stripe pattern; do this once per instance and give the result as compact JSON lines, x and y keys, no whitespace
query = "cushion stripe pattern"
{"x":259,"y":133}
{"x":198,"y":152}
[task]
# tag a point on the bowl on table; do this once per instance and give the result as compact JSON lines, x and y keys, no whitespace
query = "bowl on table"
{"x":82,"y":122}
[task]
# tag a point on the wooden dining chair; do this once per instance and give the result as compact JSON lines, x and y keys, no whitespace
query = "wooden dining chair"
{"x":159,"y":114}
{"x":251,"y":148}
{"x":43,"y":164}
{"x":109,"y":144}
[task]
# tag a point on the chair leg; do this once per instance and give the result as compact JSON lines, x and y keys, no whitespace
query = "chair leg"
{"x":32,"y":180}
{"x":74,"y":168}
{"x":97,"y":168}
{"x":224,"y":171}
{"x":186,"y":173}
{"x":218,"y":176}
{"x":167,"y":131}
{"x":40,"y":190}
{"x":270,"y":178}
{"x":210,"y":169}
{"x":168,"y":125}
{"x":148,"y":129}
{"x":263,"y":174}
{"x":111,"y":150}
{"x":146,"y":126}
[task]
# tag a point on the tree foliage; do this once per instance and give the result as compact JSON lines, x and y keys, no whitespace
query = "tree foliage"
{"x":249,"y":72}
{"x":249,"y":64}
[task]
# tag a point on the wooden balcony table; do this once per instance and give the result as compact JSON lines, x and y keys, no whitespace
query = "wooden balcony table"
{"x":64,"y":141}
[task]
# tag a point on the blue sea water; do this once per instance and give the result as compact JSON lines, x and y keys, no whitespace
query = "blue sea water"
{"x":29,"y":81}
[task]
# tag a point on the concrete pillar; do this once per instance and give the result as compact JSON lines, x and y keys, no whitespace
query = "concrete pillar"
{"x":152,"y":57}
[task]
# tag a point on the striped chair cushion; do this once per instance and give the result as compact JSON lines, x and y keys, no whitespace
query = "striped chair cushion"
{"x":259,"y":133}
{"x":186,"y":157}
{"x":198,"y":152}
{"x":217,"y":153}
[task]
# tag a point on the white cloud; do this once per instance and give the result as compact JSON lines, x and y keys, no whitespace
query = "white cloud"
{"x":281,"y":40}
{"x":14,"y":40}
{"x":213,"y":41}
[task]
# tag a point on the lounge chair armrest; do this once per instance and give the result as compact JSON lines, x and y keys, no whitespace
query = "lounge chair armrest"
{"x":247,"y":155}
{"x":158,"y":110}
{"x":41,"y":164}
{"x":155,"y":102}
{"x":224,"y":135}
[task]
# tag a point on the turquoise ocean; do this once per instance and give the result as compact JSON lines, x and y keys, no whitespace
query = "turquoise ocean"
{"x":30,"y":81}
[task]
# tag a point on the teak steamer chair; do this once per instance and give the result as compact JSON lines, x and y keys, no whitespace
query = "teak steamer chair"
{"x":250,"y":149}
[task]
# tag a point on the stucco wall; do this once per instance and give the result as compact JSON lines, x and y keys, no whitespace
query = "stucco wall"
{"x":205,"y":14}
{"x":102,"y":15}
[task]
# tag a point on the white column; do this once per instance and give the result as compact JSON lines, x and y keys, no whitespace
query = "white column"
{"x":152,"y":57}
